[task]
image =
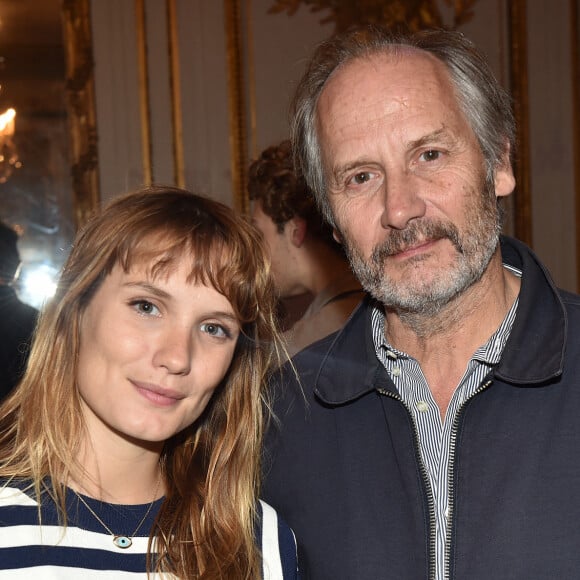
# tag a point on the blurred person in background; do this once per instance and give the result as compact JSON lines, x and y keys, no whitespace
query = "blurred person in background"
{"x":306,"y":259}
{"x":17,"y":319}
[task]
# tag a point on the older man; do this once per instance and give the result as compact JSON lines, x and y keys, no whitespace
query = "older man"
{"x":436,"y":436}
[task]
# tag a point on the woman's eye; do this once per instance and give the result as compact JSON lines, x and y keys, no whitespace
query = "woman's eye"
{"x":214,"y":329}
{"x":145,"y":307}
{"x":431,"y":155}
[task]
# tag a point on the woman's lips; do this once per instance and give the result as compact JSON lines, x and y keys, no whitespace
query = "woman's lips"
{"x":157,"y":394}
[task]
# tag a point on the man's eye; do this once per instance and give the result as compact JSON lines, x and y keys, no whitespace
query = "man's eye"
{"x":431,"y":155}
{"x":361,"y":178}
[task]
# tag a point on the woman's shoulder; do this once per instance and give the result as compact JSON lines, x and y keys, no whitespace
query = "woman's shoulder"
{"x":16,"y":492}
{"x":278,"y":545}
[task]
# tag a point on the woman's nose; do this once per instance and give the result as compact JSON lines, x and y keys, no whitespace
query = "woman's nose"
{"x":175,"y":351}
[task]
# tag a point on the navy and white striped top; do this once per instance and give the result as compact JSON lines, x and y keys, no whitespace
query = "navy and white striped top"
{"x":86,"y":550}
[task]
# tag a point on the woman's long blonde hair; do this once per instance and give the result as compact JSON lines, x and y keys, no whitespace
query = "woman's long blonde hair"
{"x":205,"y":528}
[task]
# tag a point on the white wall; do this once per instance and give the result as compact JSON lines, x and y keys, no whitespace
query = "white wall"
{"x":204,"y":96}
{"x":116,"y":80}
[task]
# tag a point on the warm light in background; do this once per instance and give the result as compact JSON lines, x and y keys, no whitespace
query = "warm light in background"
{"x":7,"y":122}
{"x":37,"y":284}
{"x":8,"y":155}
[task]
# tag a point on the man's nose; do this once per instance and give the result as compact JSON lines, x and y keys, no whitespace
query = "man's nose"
{"x":402,"y":201}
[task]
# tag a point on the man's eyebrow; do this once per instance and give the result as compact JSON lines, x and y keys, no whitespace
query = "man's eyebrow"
{"x":339,"y":171}
{"x":441,"y":134}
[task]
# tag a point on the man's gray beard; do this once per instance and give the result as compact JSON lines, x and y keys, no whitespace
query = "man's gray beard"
{"x":475,"y":249}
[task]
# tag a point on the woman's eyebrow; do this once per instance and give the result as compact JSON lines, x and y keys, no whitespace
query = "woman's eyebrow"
{"x":224,"y":314}
{"x":149,"y":288}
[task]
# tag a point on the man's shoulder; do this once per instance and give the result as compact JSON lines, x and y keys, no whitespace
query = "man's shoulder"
{"x":328,"y":372}
{"x":570,"y":299}
{"x":305,"y":365}
{"x":312,"y":356}
{"x":571,"y":304}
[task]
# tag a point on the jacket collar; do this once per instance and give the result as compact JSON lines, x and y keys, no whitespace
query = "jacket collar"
{"x":534,"y":352}
{"x":533,"y":355}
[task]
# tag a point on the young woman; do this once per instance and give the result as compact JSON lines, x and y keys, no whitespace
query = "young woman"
{"x":131,"y":447}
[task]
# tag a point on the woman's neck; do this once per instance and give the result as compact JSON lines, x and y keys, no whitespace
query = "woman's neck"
{"x":124,"y":474}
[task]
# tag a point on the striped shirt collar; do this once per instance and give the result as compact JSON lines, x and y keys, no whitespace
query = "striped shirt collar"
{"x":489,"y":353}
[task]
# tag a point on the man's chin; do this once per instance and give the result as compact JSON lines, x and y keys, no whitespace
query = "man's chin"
{"x":420,"y":295}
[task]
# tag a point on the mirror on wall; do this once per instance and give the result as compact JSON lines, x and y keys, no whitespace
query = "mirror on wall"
{"x":35,"y":162}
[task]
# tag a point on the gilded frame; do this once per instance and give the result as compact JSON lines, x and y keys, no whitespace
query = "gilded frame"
{"x":81,"y":109}
{"x":517,"y":22}
{"x":575,"y":59}
{"x":237,"y":104}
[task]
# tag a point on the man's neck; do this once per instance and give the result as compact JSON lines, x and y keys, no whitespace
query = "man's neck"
{"x":443,"y":344}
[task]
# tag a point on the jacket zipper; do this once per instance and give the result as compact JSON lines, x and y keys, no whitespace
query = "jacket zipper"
{"x":451,"y":474}
{"x":423,"y":470}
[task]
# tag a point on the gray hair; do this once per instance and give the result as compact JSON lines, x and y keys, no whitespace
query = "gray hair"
{"x":486,"y":105}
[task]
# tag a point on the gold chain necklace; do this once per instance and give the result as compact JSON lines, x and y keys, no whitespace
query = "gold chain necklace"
{"x":119,"y":540}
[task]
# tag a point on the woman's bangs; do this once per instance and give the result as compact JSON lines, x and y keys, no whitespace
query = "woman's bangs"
{"x":217,"y":260}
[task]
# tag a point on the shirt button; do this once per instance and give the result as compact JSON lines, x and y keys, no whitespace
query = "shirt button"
{"x":396,"y":371}
{"x":422,"y":406}
{"x":391,"y":354}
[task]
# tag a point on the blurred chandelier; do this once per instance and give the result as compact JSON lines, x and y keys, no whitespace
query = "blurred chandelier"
{"x":8,"y":155}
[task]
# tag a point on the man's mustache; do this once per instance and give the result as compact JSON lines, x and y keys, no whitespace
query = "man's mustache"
{"x":416,"y":233}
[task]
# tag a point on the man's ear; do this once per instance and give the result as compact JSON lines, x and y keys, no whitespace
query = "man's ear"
{"x":336,"y":235}
{"x":504,"y":180}
{"x":297,"y":229}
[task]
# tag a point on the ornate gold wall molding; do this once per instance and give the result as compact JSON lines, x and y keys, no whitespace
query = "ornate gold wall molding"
{"x":517,"y":22}
{"x":175,"y":82}
{"x":251,"y":81}
{"x":413,"y":14}
{"x":80,"y":90}
{"x":144,"y":100}
{"x":237,"y":103}
{"x":574,"y":40}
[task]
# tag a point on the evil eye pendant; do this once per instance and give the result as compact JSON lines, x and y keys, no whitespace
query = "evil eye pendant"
{"x":122,"y":542}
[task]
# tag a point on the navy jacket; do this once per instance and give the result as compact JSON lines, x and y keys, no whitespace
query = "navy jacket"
{"x":342,"y":466}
